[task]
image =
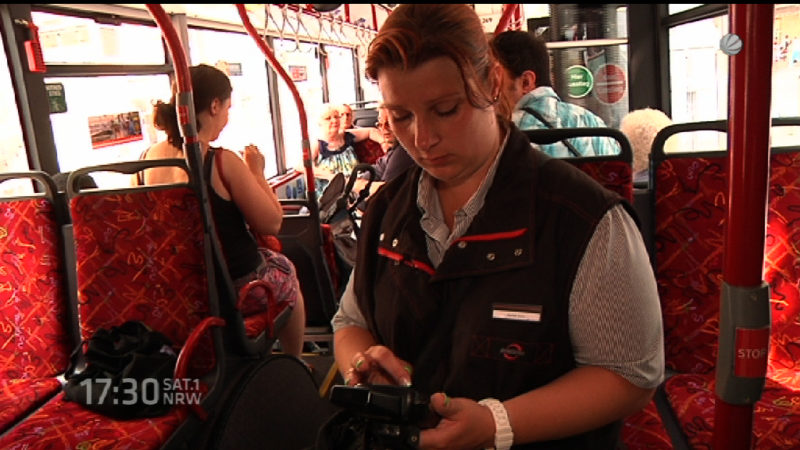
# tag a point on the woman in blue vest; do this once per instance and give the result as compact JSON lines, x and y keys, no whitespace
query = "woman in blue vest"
{"x":508,"y":285}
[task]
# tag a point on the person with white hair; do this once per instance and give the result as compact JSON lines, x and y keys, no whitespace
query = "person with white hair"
{"x":640,"y":127}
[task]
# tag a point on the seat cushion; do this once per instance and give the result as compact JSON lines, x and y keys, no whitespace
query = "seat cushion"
{"x":776,"y":421}
{"x":63,"y":424}
{"x":645,"y":430}
{"x":18,"y":397}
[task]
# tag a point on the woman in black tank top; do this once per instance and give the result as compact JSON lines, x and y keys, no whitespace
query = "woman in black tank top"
{"x":242,"y":201}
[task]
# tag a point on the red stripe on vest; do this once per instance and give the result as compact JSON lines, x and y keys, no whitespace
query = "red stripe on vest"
{"x":412,"y":263}
{"x":493,"y":236}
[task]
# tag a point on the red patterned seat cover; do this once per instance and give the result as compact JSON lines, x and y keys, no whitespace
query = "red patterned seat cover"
{"x":776,"y":418}
{"x":782,"y":268}
{"x":368,"y":151}
{"x":690,"y":210}
{"x":35,"y":344}
{"x":614,"y":175}
{"x":645,"y":430}
{"x":691,"y":301}
{"x":33,"y":304}
{"x":140,"y":257}
{"x":62,"y":424}
{"x":20,"y":396}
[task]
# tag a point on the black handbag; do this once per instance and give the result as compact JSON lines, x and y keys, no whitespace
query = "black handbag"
{"x":128,"y":373}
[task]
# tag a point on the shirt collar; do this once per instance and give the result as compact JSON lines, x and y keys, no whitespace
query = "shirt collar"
{"x":438,"y":236}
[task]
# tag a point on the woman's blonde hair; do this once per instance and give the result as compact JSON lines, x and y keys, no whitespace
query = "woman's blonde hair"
{"x":640,"y":127}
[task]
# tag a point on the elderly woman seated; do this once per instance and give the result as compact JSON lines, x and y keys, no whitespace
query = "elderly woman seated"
{"x":334,"y":151}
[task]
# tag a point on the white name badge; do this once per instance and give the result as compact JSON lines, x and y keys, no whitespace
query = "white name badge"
{"x":517,"y":312}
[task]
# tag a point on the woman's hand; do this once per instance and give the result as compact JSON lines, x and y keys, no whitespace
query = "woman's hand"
{"x":378,"y":365}
{"x":254,"y":159}
{"x":464,"y":424}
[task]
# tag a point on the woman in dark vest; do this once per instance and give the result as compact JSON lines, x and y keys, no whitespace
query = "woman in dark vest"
{"x":508,"y":285}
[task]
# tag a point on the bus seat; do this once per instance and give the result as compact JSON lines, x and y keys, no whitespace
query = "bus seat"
{"x":301,"y":237}
{"x":368,"y":151}
{"x":365,"y":114}
{"x":140,"y":254}
{"x":693,"y":228}
{"x":613,"y":172}
{"x":690,"y":194}
{"x":36,"y":341}
{"x":781,"y":267}
{"x":775,"y":422}
{"x":645,"y":430}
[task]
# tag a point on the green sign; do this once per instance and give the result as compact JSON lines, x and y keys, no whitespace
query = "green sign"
{"x":579,"y":81}
{"x":56,"y":97}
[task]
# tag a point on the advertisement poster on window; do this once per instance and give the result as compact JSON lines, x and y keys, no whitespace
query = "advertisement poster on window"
{"x":114,"y":129}
{"x":298,"y":73}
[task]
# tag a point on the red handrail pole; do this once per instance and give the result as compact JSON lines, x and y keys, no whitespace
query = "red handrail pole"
{"x":518,"y":18}
{"x":749,"y":126}
{"x":301,"y":110}
{"x":508,"y":11}
{"x":185,"y":103}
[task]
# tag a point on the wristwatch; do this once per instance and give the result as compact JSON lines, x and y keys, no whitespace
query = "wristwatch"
{"x":503,"y":436}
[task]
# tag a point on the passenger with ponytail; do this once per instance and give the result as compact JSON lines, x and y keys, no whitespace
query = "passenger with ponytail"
{"x":242,"y":202}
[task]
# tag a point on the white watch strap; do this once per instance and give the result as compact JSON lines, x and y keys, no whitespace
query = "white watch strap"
{"x":503,"y":435}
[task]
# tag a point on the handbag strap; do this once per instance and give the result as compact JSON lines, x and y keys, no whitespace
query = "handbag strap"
{"x":140,"y":174}
{"x":218,"y":162}
{"x":541,"y":118}
{"x":215,"y":155}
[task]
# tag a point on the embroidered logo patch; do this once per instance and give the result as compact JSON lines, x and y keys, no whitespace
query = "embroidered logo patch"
{"x":512,"y":352}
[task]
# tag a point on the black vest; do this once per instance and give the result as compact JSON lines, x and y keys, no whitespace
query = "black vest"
{"x":518,"y":258}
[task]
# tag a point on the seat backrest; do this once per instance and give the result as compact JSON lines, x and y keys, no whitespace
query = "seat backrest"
{"x":35,"y":340}
{"x":690,"y":192}
{"x":140,"y":256}
{"x":365,"y":114}
{"x":613,"y":172}
{"x":691,"y":205}
{"x":301,"y":238}
{"x":782,"y":265}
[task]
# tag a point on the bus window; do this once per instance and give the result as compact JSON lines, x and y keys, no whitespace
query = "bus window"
{"x":698,"y":70}
{"x":250,"y":120}
{"x":104,"y":118}
{"x":77,"y":40}
{"x":675,"y":8}
{"x":699,"y":79}
{"x":94,"y":132}
{"x":13,"y":157}
{"x":370,"y":88}
{"x":341,"y":75}
{"x":303,"y":66}
{"x":590,"y":58}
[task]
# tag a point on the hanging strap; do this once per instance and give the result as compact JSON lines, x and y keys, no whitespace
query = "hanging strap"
{"x":541,"y":118}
